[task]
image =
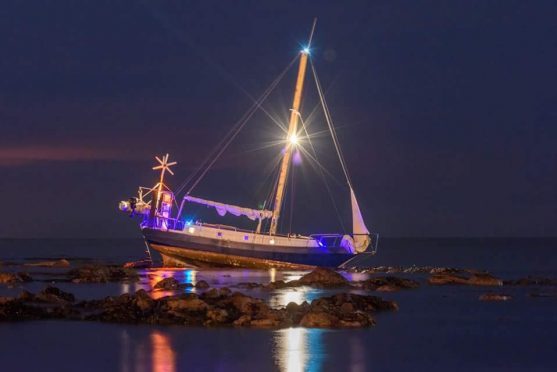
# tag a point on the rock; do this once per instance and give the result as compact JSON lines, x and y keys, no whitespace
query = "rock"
{"x":141,"y":264}
{"x":10,"y":278}
{"x":319,"y":319}
{"x":217,"y":316}
{"x":171,"y":284}
{"x":494,"y":297}
{"x":389,"y":284}
{"x":346,"y":308}
{"x":265,"y":323}
{"x":54,"y":295}
{"x":224,"y":291}
{"x":187,"y":304}
{"x":244,"y":304}
{"x":101,"y":274}
{"x":242,"y":321}
{"x":56,"y":263}
{"x":483,"y":279}
{"x":143,"y":301}
{"x":202,"y":284}
{"x":323,"y":277}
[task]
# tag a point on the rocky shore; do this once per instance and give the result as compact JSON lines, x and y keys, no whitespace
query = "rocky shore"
{"x":213,"y":307}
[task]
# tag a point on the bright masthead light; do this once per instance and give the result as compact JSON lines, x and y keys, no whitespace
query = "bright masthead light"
{"x":305,"y":50}
{"x":293,"y":139}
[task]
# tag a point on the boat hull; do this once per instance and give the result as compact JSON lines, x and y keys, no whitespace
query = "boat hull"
{"x":179,"y":249}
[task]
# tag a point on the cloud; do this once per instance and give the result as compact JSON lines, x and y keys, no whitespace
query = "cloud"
{"x":24,"y":155}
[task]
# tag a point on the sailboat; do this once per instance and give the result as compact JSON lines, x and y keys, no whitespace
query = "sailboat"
{"x":184,"y":243}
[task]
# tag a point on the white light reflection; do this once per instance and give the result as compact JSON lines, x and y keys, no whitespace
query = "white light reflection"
{"x":291,"y":349}
{"x":298,"y":349}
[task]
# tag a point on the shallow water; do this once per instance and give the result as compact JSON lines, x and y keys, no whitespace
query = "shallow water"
{"x":436,"y":328}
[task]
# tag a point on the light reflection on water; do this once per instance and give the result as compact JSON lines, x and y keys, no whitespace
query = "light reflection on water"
{"x":152,"y":354}
{"x":298,"y":349}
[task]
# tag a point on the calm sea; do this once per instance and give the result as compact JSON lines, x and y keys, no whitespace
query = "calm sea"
{"x":436,"y":328}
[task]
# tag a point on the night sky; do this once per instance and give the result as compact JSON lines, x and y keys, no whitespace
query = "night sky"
{"x":446,"y":110}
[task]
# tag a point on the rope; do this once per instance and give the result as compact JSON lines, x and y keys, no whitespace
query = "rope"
{"x":229,"y":137}
{"x":329,"y":121}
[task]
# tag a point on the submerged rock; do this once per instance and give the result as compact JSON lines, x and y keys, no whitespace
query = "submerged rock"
{"x":479,"y":279}
{"x":319,"y":277}
{"x":10,"y":278}
{"x":171,"y":284}
{"x":324,"y":278}
{"x":101,"y":274}
{"x":55,"y":263}
{"x":54,"y":295}
{"x":202,"y":284}
{"x":389,"y":284}
{"x":495,"y":297}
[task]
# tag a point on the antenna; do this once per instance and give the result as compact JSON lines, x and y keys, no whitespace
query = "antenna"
{"x":312,"y":31}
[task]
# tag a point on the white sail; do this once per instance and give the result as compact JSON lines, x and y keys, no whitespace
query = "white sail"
{"x":359,"y":230}
{"x":222,"y":209}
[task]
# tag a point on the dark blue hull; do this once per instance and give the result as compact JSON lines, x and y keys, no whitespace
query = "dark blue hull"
{"x":180,"y":249}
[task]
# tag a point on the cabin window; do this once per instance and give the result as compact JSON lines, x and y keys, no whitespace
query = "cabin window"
{"x":191,"y":230}
{"x":219,"y":234}
{"x":272,"y":241}
{"x":246,"y":237}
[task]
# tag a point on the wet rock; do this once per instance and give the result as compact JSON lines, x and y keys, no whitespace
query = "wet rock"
{"x":55,"y":263}
{"x":495,"y":297}
{"x":10,"y":278}
{"x":320,"y":277}
{"x":102,"y":274}
{"x":189,"y":303}
{"x":389,"y":284}
{"x":215,"y":307}
{"x":202,"y":284}
{"x":54,"y":295}
{"x":216,"y":316}
{"x":319,"y":319}
{"x":242,"y":321}
{"x":141,"y":264}
{"x":483,"y":279}
{"x":171,"y":284}
{"x":143,"y":301}
{"x":324,"y":278}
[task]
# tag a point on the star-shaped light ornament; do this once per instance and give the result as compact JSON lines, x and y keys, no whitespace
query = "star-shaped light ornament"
{"x":164,"y":166}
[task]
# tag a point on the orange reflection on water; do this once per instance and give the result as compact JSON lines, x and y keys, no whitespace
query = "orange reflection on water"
{"x":163,"y":357}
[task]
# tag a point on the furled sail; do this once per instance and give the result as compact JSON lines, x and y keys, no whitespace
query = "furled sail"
{"x":222,"y":209}
{"x":359,"y":230}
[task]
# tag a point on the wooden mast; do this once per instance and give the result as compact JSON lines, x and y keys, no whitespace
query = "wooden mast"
{"x":291,"y":139}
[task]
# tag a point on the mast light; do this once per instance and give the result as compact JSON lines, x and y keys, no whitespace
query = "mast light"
{"x":305,"y":50}
{"x":293,"y":139}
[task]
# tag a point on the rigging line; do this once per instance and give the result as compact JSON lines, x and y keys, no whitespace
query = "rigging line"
{"x":329,"y":120}
{"x":233,"y":136}
{"x":240,"y":122}
{"x":227,"y":139}
{"x":181,"y":36}
{"x":323,"y":176}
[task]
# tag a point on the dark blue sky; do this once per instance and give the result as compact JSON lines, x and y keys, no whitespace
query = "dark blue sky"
{"x":447,"y":110}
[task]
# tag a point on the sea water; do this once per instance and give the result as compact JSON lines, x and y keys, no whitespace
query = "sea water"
{"x":436,"y":328}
